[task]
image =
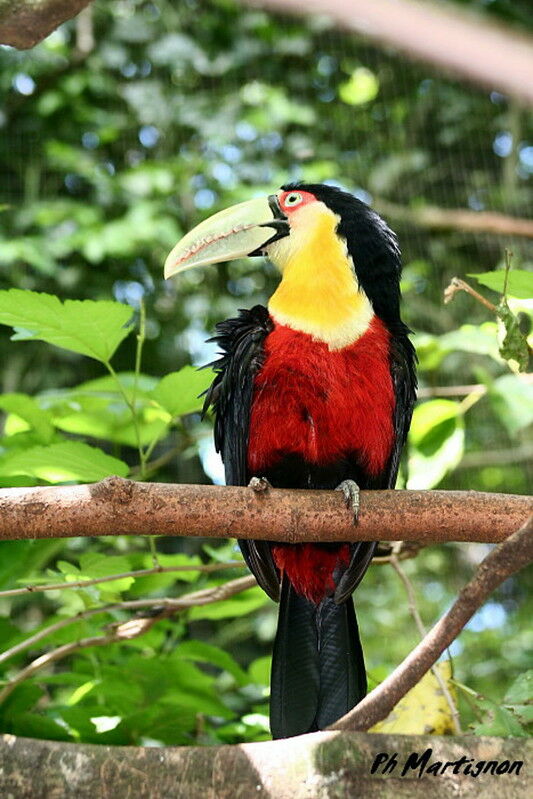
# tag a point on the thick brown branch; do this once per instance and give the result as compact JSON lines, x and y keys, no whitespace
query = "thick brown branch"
{"x":122,"y":507}
{"x":461,"y":219}
{"x":465,"y":44}
{"x":24,"y":23}
{"x":504,"y":560}
{"x":328,"y":765}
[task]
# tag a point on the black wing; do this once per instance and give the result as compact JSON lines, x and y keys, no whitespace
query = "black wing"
{"x":242,"y":343}
{"x":403,"y":371}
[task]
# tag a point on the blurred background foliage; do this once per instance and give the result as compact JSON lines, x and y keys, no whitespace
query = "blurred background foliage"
{"x":118,"y":133}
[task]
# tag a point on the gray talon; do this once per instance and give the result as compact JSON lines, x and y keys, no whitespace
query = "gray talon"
{"x":259,"y":484}
{"x":350,"y":490}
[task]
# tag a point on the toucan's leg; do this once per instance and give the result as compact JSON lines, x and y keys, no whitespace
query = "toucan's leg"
{"x":350,"y":489}
{"x":259,"y":484}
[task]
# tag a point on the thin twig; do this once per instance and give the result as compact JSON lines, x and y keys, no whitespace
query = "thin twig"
{"x":504,"y":560}
{"x":456,"y":284}
{"x":125,"y":630}
{"x":508,"y":264}
{"x":157,"y":463}
{"x":496,"y":457}
{"x":201,"y":597}
{"x":413,"y":609}
{"x":201,"y":567}
{"x":401,"y":550}
{"x":426,"y":392}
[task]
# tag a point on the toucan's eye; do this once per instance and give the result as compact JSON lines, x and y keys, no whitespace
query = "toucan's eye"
{"x":292,"y":199}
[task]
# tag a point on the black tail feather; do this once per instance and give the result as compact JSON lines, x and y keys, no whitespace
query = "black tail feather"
{"x":318,"y":671}
{"x":342,"y":667}
{"x":295,"y":679}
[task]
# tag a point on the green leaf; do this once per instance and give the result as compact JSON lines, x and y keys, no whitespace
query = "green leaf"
{"x":501,"y":723}
{"x":176,"y":682}
{"x":172,"y":725}
{"x":32,"y":725}
{"x":437,"y":442}
{"x":519,"y":283}
{"x":479,"y":339}
{"x":104,"y":415}
{"x":64,"y":462}
{"x":238,"y":605}
{"x":207,"y":653}
{"x":514,"y":346}
{"x":178,"y":393}
{"x":95,"y":564}
{"x":430,"y":415}
{"x":259,"y":670}
{"x":89,"y":327}
{"x":521,"y":690}
{"x":512,"y":400}
{"x":22,"y":699}
{"x":20,"y":558}
{"x":362,"y":87}
{"x":106,"y":386}
{"x":27,"y":409}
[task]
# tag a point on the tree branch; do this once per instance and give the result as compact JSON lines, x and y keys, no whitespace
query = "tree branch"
{"x":201,"y":567}
{"x":121,"y":507}
{"x":426,"y":392}
{"x":504,"y":560}
{"x":456,"y":284}
{"x":466,"y":44}
{"x":461,"y":219}
{"x":23,"y":23}
{"x":329,"y":765}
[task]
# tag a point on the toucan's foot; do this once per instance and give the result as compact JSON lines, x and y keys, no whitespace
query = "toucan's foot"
{"x":259,"y":484}
{"x":350,"y":489}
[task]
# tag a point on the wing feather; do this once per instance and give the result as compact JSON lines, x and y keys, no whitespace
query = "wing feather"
{"x":241,"y":340}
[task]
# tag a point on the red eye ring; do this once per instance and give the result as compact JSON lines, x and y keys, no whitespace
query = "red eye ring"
{"x":294,"y":199}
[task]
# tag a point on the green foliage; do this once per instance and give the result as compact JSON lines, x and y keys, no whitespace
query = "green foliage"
{"x":179,"y":392}
{"x":63,"y":462}
{"x":91,"y":328}
{"x":437,"y":442}
{"x":514,"y":346}
{"x":109,"y":158}
{"x":362,"y":87}
{"x":513,"y":716}
{"x":519,"y":282}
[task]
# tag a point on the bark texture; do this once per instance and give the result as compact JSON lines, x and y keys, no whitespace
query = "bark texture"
{"x":323,"y":765}
{"x":122,"y":507}
{"x":24,"y":23}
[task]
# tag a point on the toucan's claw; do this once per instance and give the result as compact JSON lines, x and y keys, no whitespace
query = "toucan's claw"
{"x":259,"y":484}
{"x":350,"y":490}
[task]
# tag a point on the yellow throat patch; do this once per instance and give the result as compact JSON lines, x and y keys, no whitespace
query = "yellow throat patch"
{"x":319,"y":293}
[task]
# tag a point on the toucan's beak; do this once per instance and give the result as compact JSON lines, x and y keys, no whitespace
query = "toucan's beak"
{"x":244,"y":229}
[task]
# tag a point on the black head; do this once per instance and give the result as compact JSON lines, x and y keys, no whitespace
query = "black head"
{"x":372,"y":246}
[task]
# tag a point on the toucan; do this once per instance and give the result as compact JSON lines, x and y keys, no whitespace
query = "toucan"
{"x":315,"y":391}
